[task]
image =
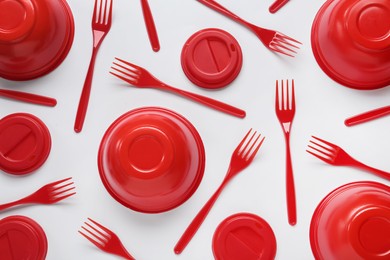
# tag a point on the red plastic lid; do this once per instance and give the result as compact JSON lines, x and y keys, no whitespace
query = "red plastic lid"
{"x":351,"y":42}
{"x":244,"y":236}
{"x":211,"y":58}
{"x":151,"y":159}
{"x":25,"y":143}
{"x":353,"y":222}
{"x":22,"y":238}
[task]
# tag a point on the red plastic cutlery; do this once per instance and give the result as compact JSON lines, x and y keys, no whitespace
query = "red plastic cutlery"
{"x":335,"y":155}
{"x":367,"y":116}
{"x":140,"y":77}
{"x":273,"y":40}
{"x":242,"y":156}
{"x":101,"y":24}
{"x":104,"y":239}
{"x":285,"y":111}
{"x":28,"y":97}
{"x":49,"y":194}
{"x":277,"y":5}
{"x":150,"y":26}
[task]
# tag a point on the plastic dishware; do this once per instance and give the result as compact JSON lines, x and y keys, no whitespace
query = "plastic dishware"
{"x":211,"y":58}
{"x":104,"y":239}
{"x":140,"y":77}
{"x":285,"y":111}
{"x":351,"y":42}
{"x":150,"y":26}
{"x":241,"y":158}
{"x":22,"y":238}
{"x":277,"y":5}
{"x":28,"y":97}
{"x":335,"y":155}
{"x":151,"y":159}
{"x":35,"y":37}
{"x":244,"y":236}
{"x":367,"y":116}
{"x":273,"y":40}
{"x":352,"y":222}
{"x":101,"y":24}
{"x":25,"y":143}
{"x":49,"y":194}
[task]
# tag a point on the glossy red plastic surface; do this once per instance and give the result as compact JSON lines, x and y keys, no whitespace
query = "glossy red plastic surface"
{"x":352,"y":222}
{"x":22,"y":238}
{"x":151,"y":159}
{"x":351,"y":42}
{"x":211,"y":58}
{"x":35,"y":37}
{"x":244,"y":236}
{"x":25,"y":143}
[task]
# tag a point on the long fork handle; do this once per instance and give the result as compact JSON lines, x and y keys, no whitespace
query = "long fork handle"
{"x":25,"y":200}
{"x":367,"y":116}
{"x":197,"y":221}
{"x":28,"y":97}
{"x":84,"y":98}
{"x":218,"y":105}
{"x":219,"y":8}
{"x":150,"y":26}
{"x":380,"y":173}
{"x":290,"y":186}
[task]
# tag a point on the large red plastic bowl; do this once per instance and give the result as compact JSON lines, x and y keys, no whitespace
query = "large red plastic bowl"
{"x":151,"y":159}
{"x":35,"y":37}
{"x":351,"y":42}
{"x":353,"y":222}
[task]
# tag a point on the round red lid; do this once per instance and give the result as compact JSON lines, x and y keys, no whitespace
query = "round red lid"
{"x":25,"y":143}
{"x":352,"y":222}
{"x":211,"y":58}
{"x":151,"y":159}
{"x":244,"y":236}
{"x":22,"y":238}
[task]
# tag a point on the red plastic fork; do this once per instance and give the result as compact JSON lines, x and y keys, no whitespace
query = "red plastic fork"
{"x":101,"y":24}
{"x":285,"y":111}
{"x":140,"y":77}
{"x":242,"y":156}
{"x":335,"y":155}
{"x":273,"y":40}
{"x":29,"y":98}
{"x":49,"y":194}
{"x":104,"y":239}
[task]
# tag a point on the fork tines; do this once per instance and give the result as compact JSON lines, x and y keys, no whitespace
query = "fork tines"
{"x":128,"y":72}
{"x":100,"y":13}
{"x":285,"y":96}
{"x":95,"y":233}
{"x":249,"y":145}
{"x":321,"y":149}
{"x":284,"y":44}
{"x":62,"y":189}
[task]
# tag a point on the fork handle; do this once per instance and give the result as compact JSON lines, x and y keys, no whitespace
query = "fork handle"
{"x":290,"y":186}
{"x":84,"y":98}
{"x":8,"y":205}
{"x":28,"y":97}
{"x":219,"y":8}
{"x":380,"y":173}
{"x":150,"y":26}
{"x":367,"y":116}
{"x":218,"y":105}
{"x":197,"y":221}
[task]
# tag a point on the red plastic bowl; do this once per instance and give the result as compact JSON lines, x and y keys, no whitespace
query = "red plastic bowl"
{"x":351,"y":42}
{"x":151,"y":159}
{"x":353,"y":222}
{"x":22,"y":238}
{"x":35,"y":37}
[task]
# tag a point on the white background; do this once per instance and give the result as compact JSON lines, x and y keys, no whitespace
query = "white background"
{"x":322,"y":106}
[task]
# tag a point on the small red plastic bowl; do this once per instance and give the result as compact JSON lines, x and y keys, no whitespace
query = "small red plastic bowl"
{"x":35,"y":37}
{"x":351,"y":42}
{"x":22,"y":238}
{"x":151,"y":159}
{"x":352,"y":222}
